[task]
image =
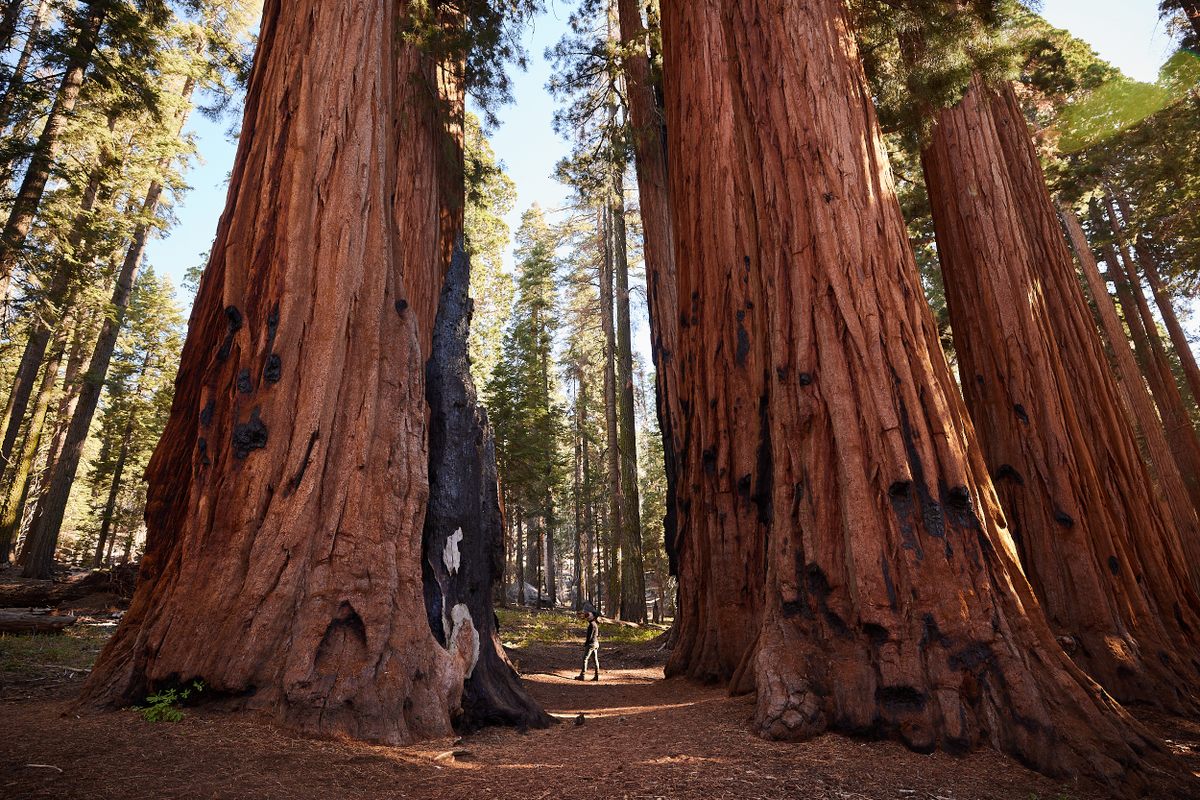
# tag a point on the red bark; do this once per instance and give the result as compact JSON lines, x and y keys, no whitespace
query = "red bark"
{"x":1100,"y":549}
{"x":893,"y":601}
{"x":286,"y":498}
{"x":1140,"y":404}
{"x":726,"y":443}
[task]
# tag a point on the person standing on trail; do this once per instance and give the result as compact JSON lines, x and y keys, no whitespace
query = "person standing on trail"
{"x":591,"y":644}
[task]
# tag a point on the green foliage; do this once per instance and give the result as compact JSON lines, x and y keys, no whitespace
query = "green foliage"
{"x":164,"y":705}
{"x":525,"y":409}
{"x":520,"y":628}
{"x":491,"y":195}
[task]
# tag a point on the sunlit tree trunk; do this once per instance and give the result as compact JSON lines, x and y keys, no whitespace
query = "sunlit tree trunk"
{"x":287,"y":496}
{"x":894,"y":604}
{"x":612,"y":460}
{"x":29,"y":196}
{"x":17,"y":77}
{"x":1100,"y":549}
{"x":1175,"y":490}
{"x":1162,"y":298}
{"x":22,"y":467}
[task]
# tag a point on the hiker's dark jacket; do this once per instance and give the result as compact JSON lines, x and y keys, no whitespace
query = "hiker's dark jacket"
{"x":593,"y":634}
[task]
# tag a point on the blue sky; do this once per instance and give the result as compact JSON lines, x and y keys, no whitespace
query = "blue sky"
{"x":1125,"y":32}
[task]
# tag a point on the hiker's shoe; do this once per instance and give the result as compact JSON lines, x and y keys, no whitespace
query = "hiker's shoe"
{"x":579,"y":677}
{"x":594,"y":678}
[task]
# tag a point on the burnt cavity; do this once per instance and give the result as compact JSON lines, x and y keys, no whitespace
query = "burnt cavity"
{"x":743,"y":340}
{"x":249,"y":436}
{"x":273,"y":369}
{"x":206,"y":413}
{"x":806,"y":378}
{"x":233,"y":324}
{"x":1021,"y":413}
{"x":401,"y":306}
{"x":1114,"y":565}
{"x":244,"y":384}
{"x":900,"y":699}
{"x":1007,"y":472}
{"x":1063,"y":518}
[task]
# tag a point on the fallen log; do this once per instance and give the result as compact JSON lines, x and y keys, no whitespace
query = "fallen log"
{"x":34,"y":622}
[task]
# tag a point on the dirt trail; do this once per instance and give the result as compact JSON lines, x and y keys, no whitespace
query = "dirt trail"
{"x":641,"y":737}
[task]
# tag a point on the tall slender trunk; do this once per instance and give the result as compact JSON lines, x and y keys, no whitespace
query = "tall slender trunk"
{"x":893,"y":601}
{"x":43,"y":537}
{"x":8,"y":100}
{"x":29,"y":197}
{"x":577,"y":487}
{"x":1149,"y":265}
{"x":633,"y":573}
{"x":1167,"y":392}
{"x":520,"y":559}
{"x":1101,"y":550}
{"x":114,"y":489}
{"x":1184,"y":505}
{"x":589,"y":510}
{"x":56,"y":301}
{"x":22,"y":467}
{"x":287,"y":496}
{"x":616,"y":504}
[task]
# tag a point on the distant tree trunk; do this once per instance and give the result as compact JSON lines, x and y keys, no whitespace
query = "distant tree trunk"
{"x":658,"y":244}
{"x":22,"y":467}
{"x":893,"y":602}
{"x":36,"y":23}
{"x":43,"y":537}
{"x":1149,"y":265}
{"x":464,"y":539}
{"x":1099,"y":548}
{"x":287,"y":496}
{"x":82,"y":344}
{"x":633,"y":572}
{"x":576,"y":489}
{"x":1178,"y":422}
{"x":29,"y":197}
{"x":520,"y":560}
{"x":616,"y":503}
{"x":1184,"y":506}
{"x":110,"y":504}
{"x":53,"y":305}
{"x":589,"y":510}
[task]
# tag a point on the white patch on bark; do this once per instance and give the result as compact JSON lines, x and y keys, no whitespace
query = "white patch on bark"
{"x":460,"y":615}
{"x":450,"y":556}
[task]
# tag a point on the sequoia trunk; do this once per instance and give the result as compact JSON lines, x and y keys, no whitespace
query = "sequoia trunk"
{"x":1140,"y":403}
{"x":893,"y":603}
{"x":464,"y":532}
{"x":658,"y":245}
{"x":1149,"y":264}
{"x":287,"y":496}
{"x":616,"y":507}
{"x":1100,"y":550}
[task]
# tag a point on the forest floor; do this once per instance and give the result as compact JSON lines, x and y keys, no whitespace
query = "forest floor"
{"x":632,"y":735}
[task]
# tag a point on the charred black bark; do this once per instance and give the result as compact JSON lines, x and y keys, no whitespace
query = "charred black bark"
{"x":463,"y":545}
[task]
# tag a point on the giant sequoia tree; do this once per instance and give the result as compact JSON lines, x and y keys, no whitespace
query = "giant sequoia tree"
{"x":287,"y":496}
{"x":893,"y":601}
{"x":1102,"y":551}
